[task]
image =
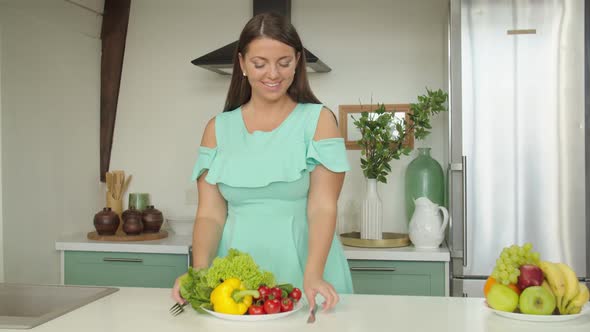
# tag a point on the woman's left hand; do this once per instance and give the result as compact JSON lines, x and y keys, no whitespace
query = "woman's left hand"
{"x":313,"y":286}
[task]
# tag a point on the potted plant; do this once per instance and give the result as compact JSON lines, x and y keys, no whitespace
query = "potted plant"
{"x":379,"y":146}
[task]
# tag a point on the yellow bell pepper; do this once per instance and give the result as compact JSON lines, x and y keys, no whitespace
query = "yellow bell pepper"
{"x":232,"y":297}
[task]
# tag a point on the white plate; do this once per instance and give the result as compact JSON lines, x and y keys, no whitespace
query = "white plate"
{"x":256,"y":318}
{"x":539,"y":318}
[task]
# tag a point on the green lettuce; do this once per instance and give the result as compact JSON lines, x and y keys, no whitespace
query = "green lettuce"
{"x":239,"y":265}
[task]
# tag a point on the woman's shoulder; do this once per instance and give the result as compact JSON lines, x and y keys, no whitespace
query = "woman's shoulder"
{"x":209,"y":138}
{"x":220,"y":125}
{"x":320,"y":121}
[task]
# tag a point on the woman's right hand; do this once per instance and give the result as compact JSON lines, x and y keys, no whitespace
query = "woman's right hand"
{"x":176,"y":291}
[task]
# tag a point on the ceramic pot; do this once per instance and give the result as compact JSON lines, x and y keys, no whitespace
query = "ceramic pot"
{"x":106,"y":222}
{"x":152,"y":219}
{"x":132,"y":222}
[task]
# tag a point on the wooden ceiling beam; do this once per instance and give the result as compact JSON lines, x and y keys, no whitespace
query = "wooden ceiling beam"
{"x":113,"y":35}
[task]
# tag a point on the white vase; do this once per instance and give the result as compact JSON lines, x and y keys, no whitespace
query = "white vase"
{"x":372,"y":213}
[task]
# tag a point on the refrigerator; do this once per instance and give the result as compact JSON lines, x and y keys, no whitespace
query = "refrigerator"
{"x":518,"y":137}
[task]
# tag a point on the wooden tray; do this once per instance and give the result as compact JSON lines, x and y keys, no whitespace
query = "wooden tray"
{"x":389,"y":240}
{"x":124,"y":237}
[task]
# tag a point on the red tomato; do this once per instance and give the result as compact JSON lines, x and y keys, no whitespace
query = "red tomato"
{"x":264,"y":292}
{"x":256,"y":310}
{"x":295,"y":294}
{"x":286,"y":305}
{"x":276,"y":292}
{"x":272,"y":306}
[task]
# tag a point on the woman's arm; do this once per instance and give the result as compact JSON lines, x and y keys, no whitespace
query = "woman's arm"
{"x":211,"y":212}
{"x":210,"y":218}
{"x":209,"y":223}
{"x":322,"y":203}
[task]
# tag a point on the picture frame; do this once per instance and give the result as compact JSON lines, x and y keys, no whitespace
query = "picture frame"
{"x":352,"y":134}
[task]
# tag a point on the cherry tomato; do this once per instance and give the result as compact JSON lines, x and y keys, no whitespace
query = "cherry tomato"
{"x":264,"y":292}
{"x":272,"y":306}
{"x":276,"y":292}
{"x":295,"y":294}
{"x":286,"y":305}
{"x":256,"y":310}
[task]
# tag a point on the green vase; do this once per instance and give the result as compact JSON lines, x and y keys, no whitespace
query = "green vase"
{"x":424,"y":178}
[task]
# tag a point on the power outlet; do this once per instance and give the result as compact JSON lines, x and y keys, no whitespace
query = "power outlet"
{"x":191,"y":196}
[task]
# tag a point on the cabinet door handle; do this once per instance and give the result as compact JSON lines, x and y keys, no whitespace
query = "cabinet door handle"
{"x":126,"y":260}
{"x":386,"y":269}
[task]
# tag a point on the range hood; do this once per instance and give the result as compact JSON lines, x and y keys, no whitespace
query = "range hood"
{"x":220,"y":60}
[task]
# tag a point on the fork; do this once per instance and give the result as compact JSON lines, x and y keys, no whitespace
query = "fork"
{"x":177,"y":309}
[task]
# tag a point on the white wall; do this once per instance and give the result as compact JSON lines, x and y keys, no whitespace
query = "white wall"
{"x":50,"y":76}
{"x":390,"y":50}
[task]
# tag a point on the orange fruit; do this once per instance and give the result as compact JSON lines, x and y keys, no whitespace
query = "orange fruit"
{"x":489,"y":283}
{"x":492,"y":281}
{"x":514,"y":288}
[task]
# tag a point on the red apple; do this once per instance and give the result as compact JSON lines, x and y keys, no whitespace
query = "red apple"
{"x":530,"y":275}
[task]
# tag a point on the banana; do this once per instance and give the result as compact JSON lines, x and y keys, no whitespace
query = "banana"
{"x":571,"y":286}
{"x":576,"y":304}
{"x":545,"y":285}
{"x":554,"y":278}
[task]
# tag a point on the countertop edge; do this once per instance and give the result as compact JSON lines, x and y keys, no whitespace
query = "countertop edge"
{"x":173,"y":244}
{"x":409,"y":253}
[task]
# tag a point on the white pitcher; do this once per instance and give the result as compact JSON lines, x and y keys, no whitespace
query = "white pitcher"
{"x":427,"y":227}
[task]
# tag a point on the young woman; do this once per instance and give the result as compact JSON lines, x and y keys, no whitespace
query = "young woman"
{"x":271,"y":167}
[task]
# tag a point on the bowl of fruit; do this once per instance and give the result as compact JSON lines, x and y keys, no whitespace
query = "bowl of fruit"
{"x":524,"y":287}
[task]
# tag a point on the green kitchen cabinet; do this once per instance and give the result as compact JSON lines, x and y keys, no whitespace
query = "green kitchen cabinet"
{"x":398,"y":277}
{"x":123,"y":269}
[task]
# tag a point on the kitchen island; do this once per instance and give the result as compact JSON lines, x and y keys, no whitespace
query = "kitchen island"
{"x":146,"y":310}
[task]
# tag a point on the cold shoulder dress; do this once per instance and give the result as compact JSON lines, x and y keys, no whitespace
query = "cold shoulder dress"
{"x":265,"y":177}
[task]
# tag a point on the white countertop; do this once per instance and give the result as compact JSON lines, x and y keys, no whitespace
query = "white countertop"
{"x":146,"y":310}
{"x":180,"y":244}
{"x":409,"y":253}
{"x":173,"y":244}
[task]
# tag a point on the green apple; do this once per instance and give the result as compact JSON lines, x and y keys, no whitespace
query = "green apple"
{"x":503,"y":298}
{"x":536,"y":300}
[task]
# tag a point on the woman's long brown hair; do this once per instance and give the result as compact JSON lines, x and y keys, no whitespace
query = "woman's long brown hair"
{"x":273,"y":26}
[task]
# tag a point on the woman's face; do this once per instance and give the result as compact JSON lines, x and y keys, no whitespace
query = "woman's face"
{"x":270,"y":67}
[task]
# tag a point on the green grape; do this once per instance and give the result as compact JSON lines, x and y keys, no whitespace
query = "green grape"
{"x":502,"y":266}
{"x":521,"y":251}
{"x":506,"y":282}
{"x":513,"y":279}
{"x":528,"y":246}
{"x":536,"y":256}
{"x":504,"y":275}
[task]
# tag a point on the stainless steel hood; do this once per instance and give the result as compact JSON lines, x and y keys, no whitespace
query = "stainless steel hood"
{"x":221,"y":60}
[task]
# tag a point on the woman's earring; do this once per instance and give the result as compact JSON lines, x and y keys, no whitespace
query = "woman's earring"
{"x":244,"y":73}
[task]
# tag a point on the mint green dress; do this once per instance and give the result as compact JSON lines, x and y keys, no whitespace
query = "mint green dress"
{"x":265,"y":178}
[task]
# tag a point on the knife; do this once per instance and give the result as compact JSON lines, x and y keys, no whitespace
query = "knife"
{"x":311,"y":318}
